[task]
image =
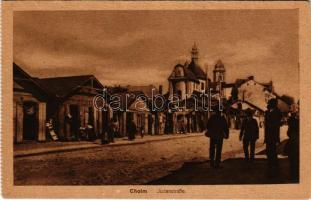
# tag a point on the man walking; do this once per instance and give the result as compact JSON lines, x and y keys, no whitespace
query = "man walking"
{"x":249,"y":133}
{"x":217,"y":130}
{"x":273,"y":119}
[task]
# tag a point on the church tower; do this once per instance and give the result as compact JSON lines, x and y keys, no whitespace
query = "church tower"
{"x":219,"y":73}
{"x":195,"y":53}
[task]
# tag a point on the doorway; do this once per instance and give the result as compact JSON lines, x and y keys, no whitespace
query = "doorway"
{"x":129,"y":118}
{"x":30,"y":121}
{"x":75,"y":114}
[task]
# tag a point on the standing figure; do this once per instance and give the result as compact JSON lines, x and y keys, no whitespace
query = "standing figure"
{"x":131,"y":128}
{"x":217,"y":130}
{"x":50,"y":130}
{"x":112,"y":129}
{"x":293,"y":142}
{"x":104,"y":136}
{"x":115,"y":125}
{"x":249,"y":133}
{"x":180,"y":125}
{"x":273,"y":119}
{"x":69,"y":123}
{"x":142,"y":132}
{"x":90,"y":132}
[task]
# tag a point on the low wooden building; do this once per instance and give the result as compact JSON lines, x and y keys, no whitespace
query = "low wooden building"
{"x":73,"y":106}
{"x":131,"y":106}
{"x":191,"y":117}
{"x":139,"y":112}
{"x":29,"y":112}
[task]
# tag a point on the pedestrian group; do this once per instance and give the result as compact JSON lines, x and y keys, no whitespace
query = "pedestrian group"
{"x":218,"y":130}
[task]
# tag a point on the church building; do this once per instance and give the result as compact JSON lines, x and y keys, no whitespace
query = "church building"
{"x":187,"y":78}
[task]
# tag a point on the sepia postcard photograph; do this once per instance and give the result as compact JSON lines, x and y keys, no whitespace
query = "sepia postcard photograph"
{"x":160,"y":100}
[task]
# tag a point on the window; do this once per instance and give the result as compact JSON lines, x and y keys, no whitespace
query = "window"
{"x":202,"y":86}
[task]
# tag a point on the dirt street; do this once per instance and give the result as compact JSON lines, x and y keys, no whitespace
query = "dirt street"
{"x":128,"y":164}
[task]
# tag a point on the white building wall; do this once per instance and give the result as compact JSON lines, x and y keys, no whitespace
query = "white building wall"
{"x":227,"y":92}
{"x":191,"y":86}
{"x":254,"y":93}
{"x":181,"y":86}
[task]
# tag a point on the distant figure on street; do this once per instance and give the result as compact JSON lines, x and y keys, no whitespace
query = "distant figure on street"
{"x":273,"y":119}
{"x":181,"y":125}
{"x":293,"y":144}
{"x":131,"y":128}
{"x":249,"y":133}
{"x":217,"y":130}
{"x":104,"y":135}
{"x":90,"y":132}
{"x":142,"y":132}
{"x":112,"y":130}
{"x":69,"y":122}
{"x":115,"y":126}
{"x":201,"y":125}
{"x":50,"y":133}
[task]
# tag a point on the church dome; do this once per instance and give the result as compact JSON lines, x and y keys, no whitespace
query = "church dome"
{"x":219,"y":66}
{"x":196,"y":70}
{"x":181,"y":72}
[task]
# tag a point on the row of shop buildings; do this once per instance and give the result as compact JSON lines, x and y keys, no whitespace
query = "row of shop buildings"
{"x":69,"y":102}
{"x":61,"y":99}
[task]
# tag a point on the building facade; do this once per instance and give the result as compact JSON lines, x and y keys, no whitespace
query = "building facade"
{"x":73,"y":107}
{"x":29,"y":107}
{"x":185,"y":81}
{"x":187,"y":78}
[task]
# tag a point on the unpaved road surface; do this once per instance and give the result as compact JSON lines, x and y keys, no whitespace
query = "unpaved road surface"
{"x":128,"y":164}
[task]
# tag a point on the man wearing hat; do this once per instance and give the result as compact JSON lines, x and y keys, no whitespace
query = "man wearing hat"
{"x":273,"y":117}
{"x":249,"y":133}
{"x":217,"y":130}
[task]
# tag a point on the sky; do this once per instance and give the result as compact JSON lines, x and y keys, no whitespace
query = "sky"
{"x":142,"y":47}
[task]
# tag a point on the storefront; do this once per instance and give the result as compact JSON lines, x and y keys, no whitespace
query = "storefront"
{"x":75,"y":110}
{"x":29,"y":108}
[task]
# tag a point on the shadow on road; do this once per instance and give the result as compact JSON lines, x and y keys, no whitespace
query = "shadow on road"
{"x":280,"y":148}
{"x":234,"y":171}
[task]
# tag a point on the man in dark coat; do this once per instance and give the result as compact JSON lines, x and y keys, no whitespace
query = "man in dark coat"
{"x":250,"y":133}
{"x":293,"y":145}
{"x":131,"y":129}
{"x":217,"y":130}
{"x":273,"y":117}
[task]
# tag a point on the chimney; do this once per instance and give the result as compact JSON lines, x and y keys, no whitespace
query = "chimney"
{"x":160,"y":89}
